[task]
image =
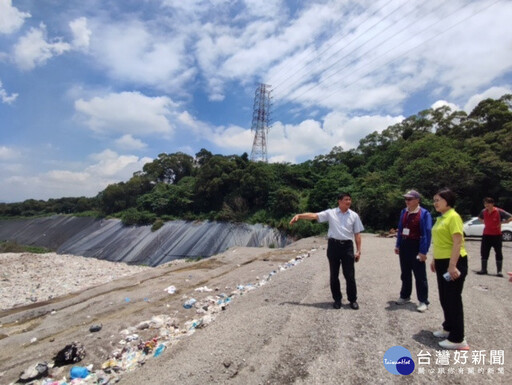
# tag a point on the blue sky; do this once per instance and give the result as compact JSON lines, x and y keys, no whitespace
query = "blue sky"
{"x":91,"y":90}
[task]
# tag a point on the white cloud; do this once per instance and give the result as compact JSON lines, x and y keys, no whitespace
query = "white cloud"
{"x":12,"y":168}
{"x":226,"y":51}
{"x":8,"y":153}
{"x":473,"y":57}
{"x":442,"y":103}
{"x":347,"y":131}
{"x":493,"y":93}
{"x":11,"y":19}
{"x":233,"y":138}
{"x":81,"y":34}
{"x":192,"y":125}
{"x":293,"y":143}
{"x":105,"y":168}
{"x":5,"y":97}
{"x":32,"y":49}
{"x":264,"y":8}
{"x":132,"y":51}
{"x":128,"y":142}
{"x":127,"y":113}
{"x":111,"y":165}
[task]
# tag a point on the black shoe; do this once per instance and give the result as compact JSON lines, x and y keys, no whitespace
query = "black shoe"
{"x":354,"y":305}
{"x":337,"y":305}
{"x":499,"y":275}
{"x":482,"y":272}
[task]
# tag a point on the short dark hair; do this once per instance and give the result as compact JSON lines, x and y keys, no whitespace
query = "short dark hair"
{"x":342,"y":195}
{"x":448,"y":195}
{"x":488,"y":200}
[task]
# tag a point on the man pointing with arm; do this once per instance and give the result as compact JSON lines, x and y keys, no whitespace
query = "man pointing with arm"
{"x":344,"y":226}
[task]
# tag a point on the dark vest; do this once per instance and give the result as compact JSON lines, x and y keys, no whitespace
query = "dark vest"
{"x":411,"y":222}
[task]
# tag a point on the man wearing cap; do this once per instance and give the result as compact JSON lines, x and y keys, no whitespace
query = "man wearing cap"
{"x":344,"y":225}
{"x":412,"y":244}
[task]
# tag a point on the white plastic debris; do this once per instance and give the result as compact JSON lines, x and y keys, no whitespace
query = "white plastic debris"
{"x":171,"y":289}
{"x":203,"y":289}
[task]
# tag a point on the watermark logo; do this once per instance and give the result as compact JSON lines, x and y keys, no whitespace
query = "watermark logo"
{"x":398,"y":360}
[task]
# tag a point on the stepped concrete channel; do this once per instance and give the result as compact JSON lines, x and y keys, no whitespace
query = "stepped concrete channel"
{"x":110,"y":240}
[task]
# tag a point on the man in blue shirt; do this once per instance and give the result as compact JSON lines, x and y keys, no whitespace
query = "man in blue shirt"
{"x":344,"y":225}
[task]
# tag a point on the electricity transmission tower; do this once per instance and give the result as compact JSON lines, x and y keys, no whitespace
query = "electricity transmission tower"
{"x":261,"y":122}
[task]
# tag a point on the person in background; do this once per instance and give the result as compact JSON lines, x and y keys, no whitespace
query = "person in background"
{"x":344,"y":225}
{"x":412,"y":244}
{"x":451,"y":267}
{"x":492,"y":217}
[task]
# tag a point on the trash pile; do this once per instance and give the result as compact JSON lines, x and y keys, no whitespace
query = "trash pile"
{"x":133,"y":351}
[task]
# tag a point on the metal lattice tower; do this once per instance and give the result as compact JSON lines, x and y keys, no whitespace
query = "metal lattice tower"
{"x":261,"y":122}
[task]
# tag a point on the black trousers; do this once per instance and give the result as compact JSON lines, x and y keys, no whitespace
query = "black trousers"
{"x":342,"y":253}
{"x":450,"y":296}
{"x":409,"y":264}
{"x":488,"y":242}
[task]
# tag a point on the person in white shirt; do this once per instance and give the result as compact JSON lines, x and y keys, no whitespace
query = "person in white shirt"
{"x":344,"y":227}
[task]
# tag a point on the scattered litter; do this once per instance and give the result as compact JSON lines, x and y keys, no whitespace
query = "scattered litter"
{"x":34,"y":372}
{"x":159,"y":350}
{"x":171,"y":289}
{"x":133,"y":350}
{"x":203,"y":289}
{"x":70,"y":354}
{"x":132,"y":337}
{"x":188,"y":304}
{"x":95,"y":328}
{"x":78,"y":372}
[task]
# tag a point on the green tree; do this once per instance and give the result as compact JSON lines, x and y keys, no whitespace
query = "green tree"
{"x":283,"y":202}
{"x":434,"y":162}
{"x":325,"y":192}
{"x":491,"y":115}
{"x":378,"y":200}
{"x":214,"y":181}
{"x":169,"y":168}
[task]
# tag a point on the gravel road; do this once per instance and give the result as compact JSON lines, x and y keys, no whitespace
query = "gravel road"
{"x":285,"y":332}
{"x":288,"y":332}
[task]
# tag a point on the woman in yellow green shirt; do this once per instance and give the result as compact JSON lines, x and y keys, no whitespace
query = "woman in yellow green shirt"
{"x":451,"y":267}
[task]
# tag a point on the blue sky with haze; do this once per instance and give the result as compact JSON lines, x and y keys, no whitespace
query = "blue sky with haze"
{"x":91,"y":90}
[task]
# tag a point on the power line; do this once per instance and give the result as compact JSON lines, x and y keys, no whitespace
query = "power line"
{"x":361,"y":55}
{"x":318,"y":55}
{"x":413,"y":48}
{"x":391,"y":49}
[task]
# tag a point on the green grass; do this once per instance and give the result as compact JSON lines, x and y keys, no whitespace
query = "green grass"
{"x":13,"y":247}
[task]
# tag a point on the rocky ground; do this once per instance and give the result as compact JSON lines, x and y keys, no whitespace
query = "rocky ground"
{"x":266,"y":320}
{"x":27,"y":278}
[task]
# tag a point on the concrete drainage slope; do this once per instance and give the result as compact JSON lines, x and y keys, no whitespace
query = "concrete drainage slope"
{"x":109,"y":239}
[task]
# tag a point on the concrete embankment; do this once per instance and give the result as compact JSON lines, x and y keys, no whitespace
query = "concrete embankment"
{"x":109,"y":239}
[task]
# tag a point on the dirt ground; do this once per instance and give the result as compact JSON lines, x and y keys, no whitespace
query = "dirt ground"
{"x":279,"y":326}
